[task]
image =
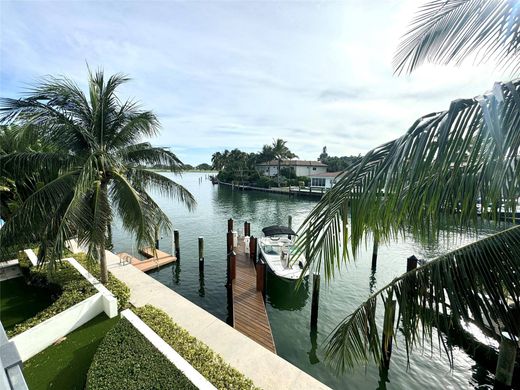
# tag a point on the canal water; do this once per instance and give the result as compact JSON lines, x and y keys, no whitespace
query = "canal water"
{"x":289,"y":310}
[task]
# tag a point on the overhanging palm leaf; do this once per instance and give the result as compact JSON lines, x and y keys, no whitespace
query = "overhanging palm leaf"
{"x":451,"y":30}
{"x":477,"y":283}
{"x":432,"y":175}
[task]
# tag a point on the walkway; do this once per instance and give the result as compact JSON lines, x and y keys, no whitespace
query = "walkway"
{"x":249,"y":314}
{"x":266,"y":369}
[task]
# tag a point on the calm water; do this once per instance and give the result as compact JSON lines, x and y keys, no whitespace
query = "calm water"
{"x":289,"y":311}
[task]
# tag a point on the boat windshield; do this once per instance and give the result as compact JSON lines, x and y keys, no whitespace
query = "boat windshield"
{"x":272,"y":249}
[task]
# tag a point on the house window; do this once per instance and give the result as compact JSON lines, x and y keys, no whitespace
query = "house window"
{"x":314,"y":168}
{"x":317,"y":182}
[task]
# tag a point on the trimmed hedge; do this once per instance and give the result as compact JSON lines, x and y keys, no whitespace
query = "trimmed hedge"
{"x":127,"y":360}
{"x":116,"y":287}
{"x":67,"y":288}
{"x":198,"y":354}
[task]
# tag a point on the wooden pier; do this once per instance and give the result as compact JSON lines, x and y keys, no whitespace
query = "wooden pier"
{"x":249,"y":313}
{"x":153,"y":262}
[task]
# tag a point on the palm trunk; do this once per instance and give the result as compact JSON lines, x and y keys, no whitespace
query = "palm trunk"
{"x":103,"y":265}
{"x":279,"y":167}
{"x":102,"y":245}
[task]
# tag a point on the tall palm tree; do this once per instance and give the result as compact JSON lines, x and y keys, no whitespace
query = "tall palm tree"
{"x":430,"y":176}
{"x":280,"y":152}
{"x":98,"y":165}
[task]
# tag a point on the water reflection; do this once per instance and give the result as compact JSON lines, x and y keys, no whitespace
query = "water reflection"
{"x":372,"y":282}
{"x":202,"y":291}
{"x":284,"y":295}
{"x":313,"y":357}
{"x":176,"y":271}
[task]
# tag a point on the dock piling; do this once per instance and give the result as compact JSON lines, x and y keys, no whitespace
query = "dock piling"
{"x":388,"y":332}
{"x":506,"y":361}
{"x":375,"y":249}
{"x":177,"y":244}
{"x":201,"y":254}
{"x":252,"y":248}
{"x":233,"y":265}
{"x":411,"y":263}
{"x":315,"y":300}
{"x":260,"y":277}
{"x":230,"y":225}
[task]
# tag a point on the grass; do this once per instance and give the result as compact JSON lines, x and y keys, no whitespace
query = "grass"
{"x":65,"y":365}
{"x":19,"y":301}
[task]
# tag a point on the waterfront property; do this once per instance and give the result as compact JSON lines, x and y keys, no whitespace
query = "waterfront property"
{"x":300,"y":167}
{"x":323,"y":179}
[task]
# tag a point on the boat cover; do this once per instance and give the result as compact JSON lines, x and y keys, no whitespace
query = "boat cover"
{"x":276,"y":230}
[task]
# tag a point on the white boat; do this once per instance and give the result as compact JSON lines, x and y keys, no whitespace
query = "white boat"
{"x":276,"y":248}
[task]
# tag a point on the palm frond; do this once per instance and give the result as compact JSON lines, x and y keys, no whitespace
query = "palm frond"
{"x":150,"y":180}
{"x":476,"y":283}
{"x":447,"y":31}
{"x":146,"y":154}
{"x":431,"y":176}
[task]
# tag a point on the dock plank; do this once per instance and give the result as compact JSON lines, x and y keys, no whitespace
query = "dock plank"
{"x":249,"y":314}
{"x":152,"y":262}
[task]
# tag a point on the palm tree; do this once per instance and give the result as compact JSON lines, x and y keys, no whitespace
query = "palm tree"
{"x":280,"y":152}
{"x":98,"y":165}
{"x":431,"y":176}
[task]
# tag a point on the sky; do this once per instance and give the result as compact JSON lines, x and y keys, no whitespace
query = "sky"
{"x":238,"y":74}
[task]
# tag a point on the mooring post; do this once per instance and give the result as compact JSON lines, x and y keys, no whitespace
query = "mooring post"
{"x":230,"y":225}
{"x":374,"y":253}
{"x":289,"y":224}
{"x":201,"y":254}
{"x":252,"y":249}
{"x":177,"y":244}
{"x":233,"y":265}
{"x":315,"y":299}
{"x":411,"y":263}
{"x":506,"y":361}
{"x":388,"y":332}
{"x":260,"y":277}
{"x":229,"y":246}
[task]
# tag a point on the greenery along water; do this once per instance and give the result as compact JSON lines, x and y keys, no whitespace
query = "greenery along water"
{"x":289,"y":311}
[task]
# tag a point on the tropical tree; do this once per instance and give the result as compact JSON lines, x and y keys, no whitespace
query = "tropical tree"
{"x":280,"y":152}
{"x":433,"y":175}
{"x":96,"y":161}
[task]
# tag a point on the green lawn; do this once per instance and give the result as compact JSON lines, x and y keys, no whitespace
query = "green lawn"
{"x":65,"y":366}
{"x":19,"y":301}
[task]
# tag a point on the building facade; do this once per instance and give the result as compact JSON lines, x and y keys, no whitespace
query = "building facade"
{"x":324,"y":180}
{"x":300,"y":167}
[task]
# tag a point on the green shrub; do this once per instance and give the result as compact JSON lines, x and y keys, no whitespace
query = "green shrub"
{"x":66,"y":286}
{"x":126,"y":360}
{"x":265,"y":182}
{"x":116,"y":287}
{"x":198,"y":354}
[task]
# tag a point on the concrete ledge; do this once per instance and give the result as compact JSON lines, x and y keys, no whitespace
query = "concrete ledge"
{"x":266,"y":369}
{"x":191,"y":373}
{"x":109,"y":301}
{"x":39,"y":337}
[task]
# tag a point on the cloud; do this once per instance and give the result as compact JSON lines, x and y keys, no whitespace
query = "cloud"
{"x":238,"y":74}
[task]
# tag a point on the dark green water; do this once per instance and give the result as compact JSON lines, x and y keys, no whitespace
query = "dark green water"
{"x":289,"y":311}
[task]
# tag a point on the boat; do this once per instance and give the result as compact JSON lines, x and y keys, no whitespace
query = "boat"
{"x":276,"y":248}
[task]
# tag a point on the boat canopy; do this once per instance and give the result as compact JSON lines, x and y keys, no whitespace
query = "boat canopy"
{"x":276,"y":230}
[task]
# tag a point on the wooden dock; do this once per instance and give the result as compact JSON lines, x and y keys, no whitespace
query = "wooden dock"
{"x":153,"y":262}
{"x":249,"y":314}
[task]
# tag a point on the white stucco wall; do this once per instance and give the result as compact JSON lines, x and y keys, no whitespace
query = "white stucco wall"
{"x":39,"y":337}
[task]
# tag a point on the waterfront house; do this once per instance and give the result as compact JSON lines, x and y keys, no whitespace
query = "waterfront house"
{"x":324,"y":179}
{"x":301,"y":167}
